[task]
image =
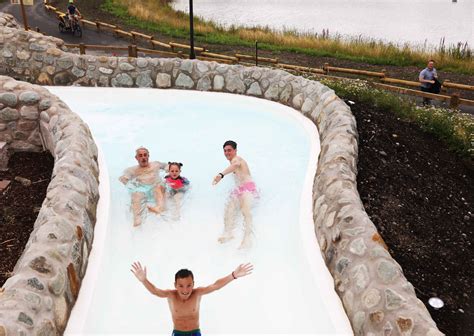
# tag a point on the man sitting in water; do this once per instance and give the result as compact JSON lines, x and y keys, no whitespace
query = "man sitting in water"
{"x":184,"y":300}
{"x":145,"y":185}
{"x":241,"y":197}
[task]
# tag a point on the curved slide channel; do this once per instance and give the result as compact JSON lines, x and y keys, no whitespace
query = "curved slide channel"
{"x":290,"y":290}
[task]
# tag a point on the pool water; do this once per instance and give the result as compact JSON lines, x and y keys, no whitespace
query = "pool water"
{"x":290,"y":290}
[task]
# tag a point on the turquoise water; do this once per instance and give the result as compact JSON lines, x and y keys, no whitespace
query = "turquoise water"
{"x":285,"y":294}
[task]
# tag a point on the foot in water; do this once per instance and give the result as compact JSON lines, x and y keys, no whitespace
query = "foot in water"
{"x":137,"y":222}
{"x":156,"y":209}
{"x":246,"y":243}
{"x":225,"y":238}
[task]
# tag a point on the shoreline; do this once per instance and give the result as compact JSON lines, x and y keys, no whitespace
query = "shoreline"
{"x":159,"y":17}
{"x":420,"y":44}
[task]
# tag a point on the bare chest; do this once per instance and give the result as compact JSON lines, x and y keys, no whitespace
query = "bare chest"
{"x":186,"y":308}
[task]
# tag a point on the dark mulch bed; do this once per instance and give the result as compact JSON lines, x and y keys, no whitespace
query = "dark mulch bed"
{"x":20,"y":205}
{"x":420,"y":196}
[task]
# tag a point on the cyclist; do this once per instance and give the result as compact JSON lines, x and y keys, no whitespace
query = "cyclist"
{"x":73,"y":14}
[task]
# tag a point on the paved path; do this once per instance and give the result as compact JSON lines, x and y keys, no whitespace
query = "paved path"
{"x":38,"y":16}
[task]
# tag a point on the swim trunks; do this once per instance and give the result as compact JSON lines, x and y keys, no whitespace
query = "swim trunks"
{"x":243,"y":188}
{"x":147,"y":189}
{"x":195,"y":332}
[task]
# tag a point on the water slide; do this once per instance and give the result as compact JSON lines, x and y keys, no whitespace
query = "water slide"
{"x":290,"y":291}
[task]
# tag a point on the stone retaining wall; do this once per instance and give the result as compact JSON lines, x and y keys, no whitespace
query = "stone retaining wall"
{"x":37,"y":299}
{"x":376,"y":296}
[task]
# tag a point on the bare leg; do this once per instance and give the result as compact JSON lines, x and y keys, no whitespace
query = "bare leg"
{"x":229,"y":220}
{"x":138,"y":201}
{"x":158,"y":192}
{"x":245,"y":206}
{"x":178,"y":197}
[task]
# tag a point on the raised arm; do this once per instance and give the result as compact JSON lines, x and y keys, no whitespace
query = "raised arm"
{"x":241,"y":271}
{"x":140,"y":273}
{"x":234,"y":165}
{"x":165,"y":166}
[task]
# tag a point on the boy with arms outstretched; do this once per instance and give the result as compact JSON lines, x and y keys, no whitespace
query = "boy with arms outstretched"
{"x":184,"y":300}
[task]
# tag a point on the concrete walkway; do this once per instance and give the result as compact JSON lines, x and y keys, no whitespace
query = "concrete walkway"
{"x":39,"y":17}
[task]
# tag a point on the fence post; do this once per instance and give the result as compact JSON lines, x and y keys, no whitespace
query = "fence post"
{"x":445,"y":88}
{"x":97,"y":24}
{"x":256,"y":53}
{"x":326,"y":68}
{"x":454,"y":101}
{"x":23,"y":14}
{"x":82,"y":49}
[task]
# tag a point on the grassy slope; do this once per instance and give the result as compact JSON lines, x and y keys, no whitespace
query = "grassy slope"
{"x":175,"y":24}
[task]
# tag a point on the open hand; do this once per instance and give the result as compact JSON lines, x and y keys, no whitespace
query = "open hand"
{"x":139,"y":271}
{"x":243,"y":270}
{"x":216,"y":180}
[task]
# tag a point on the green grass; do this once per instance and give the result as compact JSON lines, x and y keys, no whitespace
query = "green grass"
{"x":158,"y":16}
{"x":213,"y":38}
{"x":454,"y":128}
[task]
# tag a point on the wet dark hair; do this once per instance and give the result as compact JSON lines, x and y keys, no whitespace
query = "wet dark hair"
{"x":231,"y":143}
{"x":179,"y":164}
{"x":182,"y":274}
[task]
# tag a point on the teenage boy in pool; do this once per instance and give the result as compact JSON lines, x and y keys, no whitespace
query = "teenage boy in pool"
{"x":241,"y":197}
{"x":184,"y":301}
{"x":145,"y":184}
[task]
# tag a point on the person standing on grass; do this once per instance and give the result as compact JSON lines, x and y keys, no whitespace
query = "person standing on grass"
{"x":427,"y":78}
{"x":184,"y":301}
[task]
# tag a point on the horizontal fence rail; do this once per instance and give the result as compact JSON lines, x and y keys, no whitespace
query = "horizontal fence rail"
{"x":329,"y":68}
{"x":453,"y":100}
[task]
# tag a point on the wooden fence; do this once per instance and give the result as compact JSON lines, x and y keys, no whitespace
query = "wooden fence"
{"x":173,"y":49}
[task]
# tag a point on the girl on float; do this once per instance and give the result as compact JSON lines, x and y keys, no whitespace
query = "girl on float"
{"x":176,"y":185}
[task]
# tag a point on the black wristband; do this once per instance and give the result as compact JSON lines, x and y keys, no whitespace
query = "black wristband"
{"x":222,"y":175}
{"x":234,"y":276}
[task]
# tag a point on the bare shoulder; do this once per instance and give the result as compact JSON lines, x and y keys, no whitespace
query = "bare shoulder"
{"x":172,"y":293}
{"x":157,"y":164}
{"x":200,"y":291}
{"x":237,"y":160}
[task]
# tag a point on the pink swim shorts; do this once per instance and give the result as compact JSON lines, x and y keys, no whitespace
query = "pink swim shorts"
{"x":243,"y":188}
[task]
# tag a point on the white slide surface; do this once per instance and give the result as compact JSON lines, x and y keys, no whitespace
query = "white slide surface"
{"x":290,"y":291}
